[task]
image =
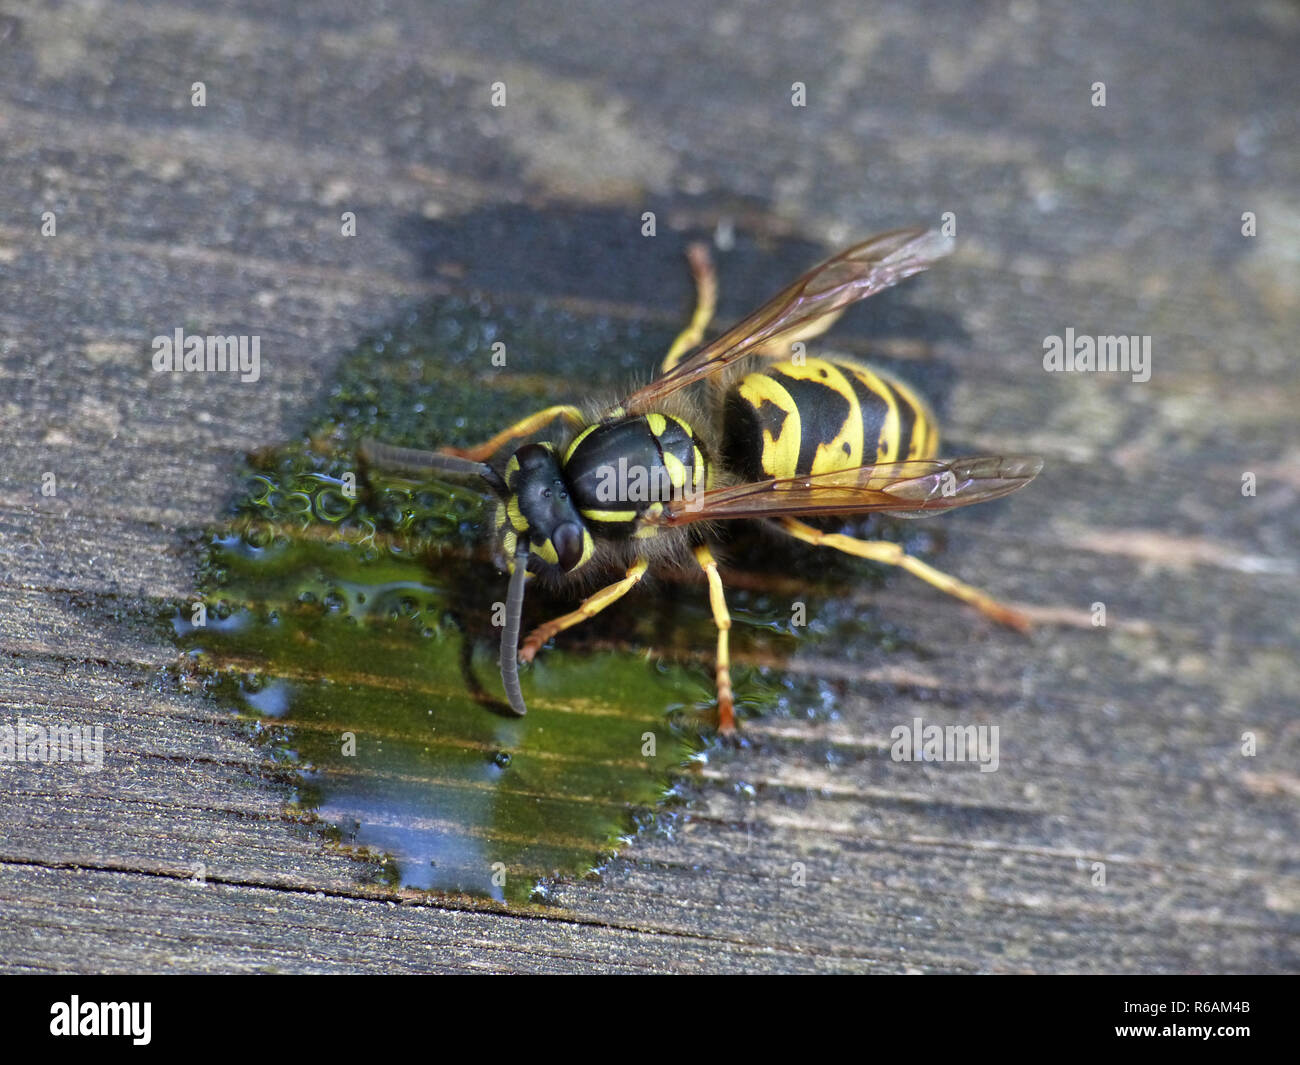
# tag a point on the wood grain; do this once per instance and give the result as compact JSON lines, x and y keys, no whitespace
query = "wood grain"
{"x":1120,"y":745}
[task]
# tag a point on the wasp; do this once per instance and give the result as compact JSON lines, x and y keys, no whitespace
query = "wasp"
{"x":780,"y":437}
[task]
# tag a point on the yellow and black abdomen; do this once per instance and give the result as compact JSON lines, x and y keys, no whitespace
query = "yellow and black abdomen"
{"x":823,"y":415}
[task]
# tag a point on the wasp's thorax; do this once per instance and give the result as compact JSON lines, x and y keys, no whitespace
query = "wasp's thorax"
{"x":539,"y":509}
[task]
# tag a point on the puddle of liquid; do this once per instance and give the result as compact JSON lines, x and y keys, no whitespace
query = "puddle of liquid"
{"x":352,"y":630}
{"x":348,"y":620}
{"x":355,"y":633}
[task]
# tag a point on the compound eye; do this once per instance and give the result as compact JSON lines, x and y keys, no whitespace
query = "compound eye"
{"x":532,"y":457}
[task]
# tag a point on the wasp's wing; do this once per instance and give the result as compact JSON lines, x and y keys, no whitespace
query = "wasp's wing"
{"x":909,"y":488}
{"x":855,"y":274}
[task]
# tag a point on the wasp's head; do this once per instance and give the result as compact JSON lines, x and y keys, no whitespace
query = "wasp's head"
{"x":538,"y":525}
{"x":538,"y":515}
{"x":540,"y":531}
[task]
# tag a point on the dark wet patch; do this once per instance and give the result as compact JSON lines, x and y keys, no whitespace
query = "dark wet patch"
{"x":349,"y":621}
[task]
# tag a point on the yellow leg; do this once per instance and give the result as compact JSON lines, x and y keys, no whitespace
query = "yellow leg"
{"x":588,"y":608}
{"x":721,"y":618}
{"x":706,"y":299}
{"x":524,"y":427}
{"x":893,"y":555}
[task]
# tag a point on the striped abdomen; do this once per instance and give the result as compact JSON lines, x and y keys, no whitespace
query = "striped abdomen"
{"x":788,"y":420}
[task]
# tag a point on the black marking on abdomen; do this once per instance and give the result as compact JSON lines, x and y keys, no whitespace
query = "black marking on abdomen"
{"x":875,"y":409}
{"x":742,"y":435}
{"x":822,"y":413}
{"x":906,"y":420}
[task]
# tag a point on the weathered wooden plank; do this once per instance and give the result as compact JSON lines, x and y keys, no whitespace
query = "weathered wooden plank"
{"x":1119,"y":745}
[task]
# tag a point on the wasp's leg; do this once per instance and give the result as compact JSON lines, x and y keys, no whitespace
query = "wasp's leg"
{"x":588,"y":608}
{"x":524,"y":427}
{"x":706,"y":299}
{"x":893,"y":555}
{"x":721,"y":618}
